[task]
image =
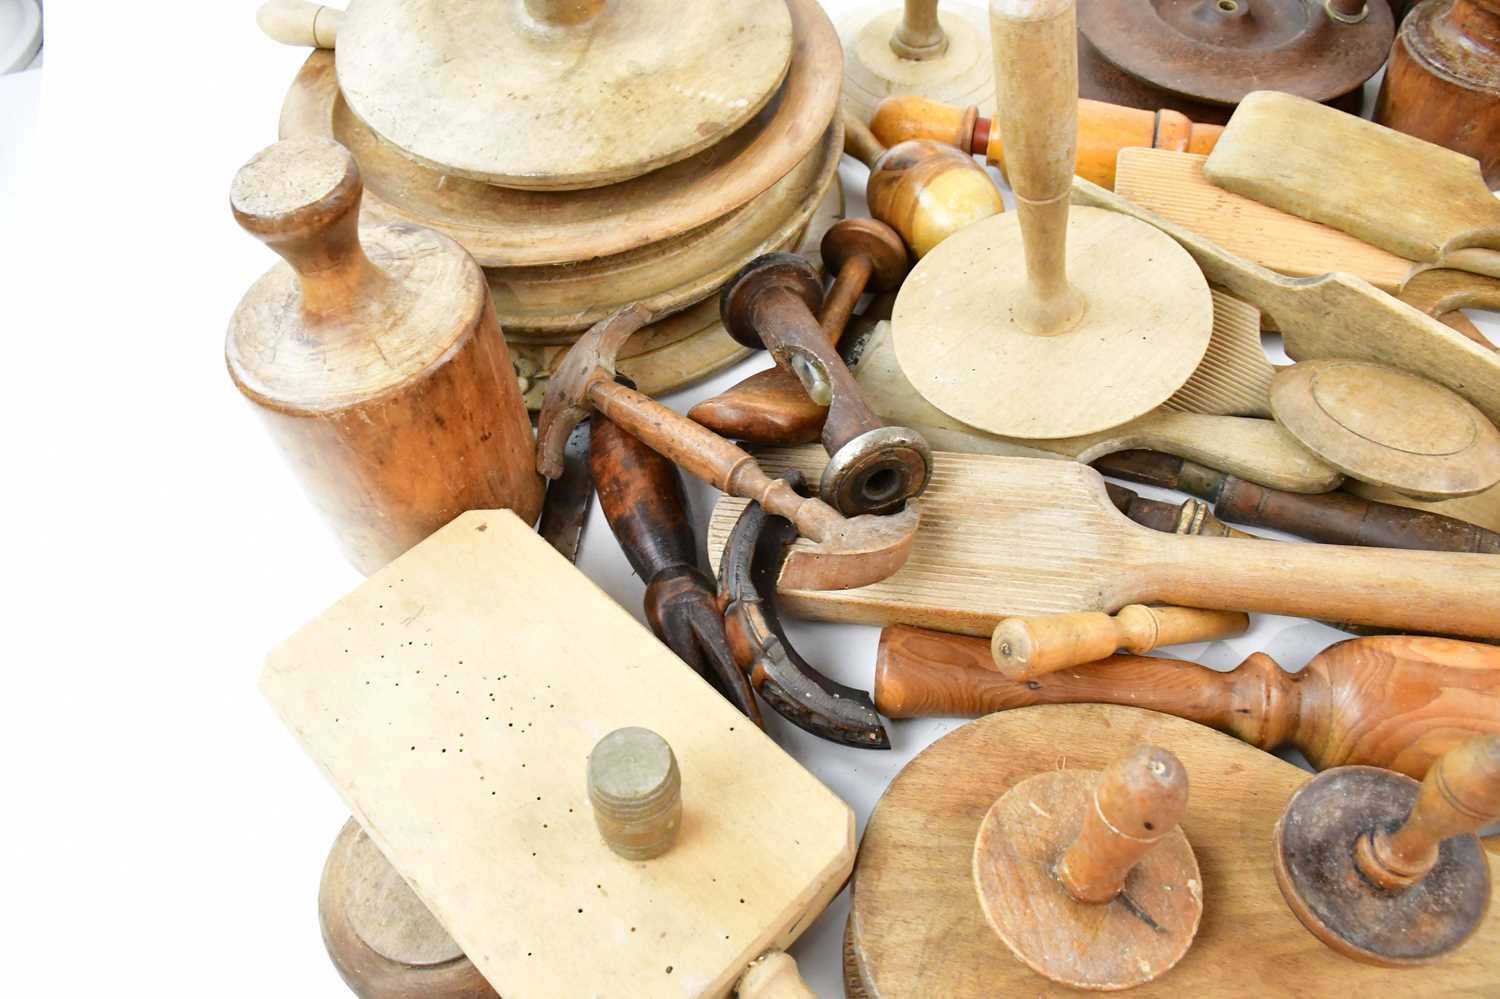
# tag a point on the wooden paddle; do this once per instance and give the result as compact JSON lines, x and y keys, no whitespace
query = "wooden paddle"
{"x":1335,"y":315}
{"x":453,"y":700}
{"x":1411,"y":197}
{"x":1013,"y":537}
{"x":915,"y":923}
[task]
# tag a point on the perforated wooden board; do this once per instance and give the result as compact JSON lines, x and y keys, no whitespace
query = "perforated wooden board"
{"x":453,"y":699}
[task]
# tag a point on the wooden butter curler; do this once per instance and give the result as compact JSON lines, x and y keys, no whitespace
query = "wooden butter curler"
{"x":374,"y":356}
{"x":1026,"y":647}
{"x":1388,"y":871}
{"x":1103,"y":130}
{"x":1086,"y":876}
{"x":1390,"y":701}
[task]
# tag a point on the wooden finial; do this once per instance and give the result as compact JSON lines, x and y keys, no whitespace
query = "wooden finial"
{"x":1086,"y":876}
{"x":1388,"y":871}
{"x":636,"y":791}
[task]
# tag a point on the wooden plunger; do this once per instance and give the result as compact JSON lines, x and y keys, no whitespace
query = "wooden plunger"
{"x":1104,"y":321}
{"x":375,"y":358}
{"x":1386,"y":870}
{"x":1086,"y":877}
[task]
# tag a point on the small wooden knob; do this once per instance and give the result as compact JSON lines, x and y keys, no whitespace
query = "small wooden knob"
{"x":636,"y":791}
{"x":1140,"y":799}
{"x":1028,"y":647}
{"x":1460,"y":795}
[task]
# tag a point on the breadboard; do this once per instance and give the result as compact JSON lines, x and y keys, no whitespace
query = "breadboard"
{"x":453,"y":699}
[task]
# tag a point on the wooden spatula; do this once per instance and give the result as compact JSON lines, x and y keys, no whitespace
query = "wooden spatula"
{"x":1335,"y":315}
{"x":1011,"y":537}
{"x":453,"y":700}
{"x":1416,"y":199}
{"x":1260,"y":449}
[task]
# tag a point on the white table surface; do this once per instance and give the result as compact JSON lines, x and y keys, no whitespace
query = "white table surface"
{"x":173,"y":833}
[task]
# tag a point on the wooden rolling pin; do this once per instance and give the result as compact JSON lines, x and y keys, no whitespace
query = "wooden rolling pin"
{"x":1103,"y":130}
{"x":1027,"y":647}
{"x":1390,"y":701}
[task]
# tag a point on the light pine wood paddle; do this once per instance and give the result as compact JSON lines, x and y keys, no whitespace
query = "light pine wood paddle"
{"x":1409,"y":196}
{"x":1012,"y":537}
{"x":1335,"y":315}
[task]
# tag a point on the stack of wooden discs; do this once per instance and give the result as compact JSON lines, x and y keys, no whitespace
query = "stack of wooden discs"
{"x":590,"y":155}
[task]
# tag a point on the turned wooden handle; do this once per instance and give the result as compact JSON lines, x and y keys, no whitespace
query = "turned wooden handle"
{"x":774,"y":976}
{"x":299,"y":22}
{"x":859,"y":141}
{"x":1460,"y":795}
{"x":1036,"y":91}
{"x":642,"y":497}
{"x":1026,"y":647}
{"x":1139,"y":799}
{"x":919,"y":35}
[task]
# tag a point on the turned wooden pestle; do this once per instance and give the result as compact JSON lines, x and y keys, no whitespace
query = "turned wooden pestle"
{"x":1397,"y":702}
{"x":1103,"y":130}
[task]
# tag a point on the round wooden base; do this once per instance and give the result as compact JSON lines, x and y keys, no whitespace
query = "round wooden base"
{"x":554,"y":303}
{"x":1315,"y":869}
{"x":1148,"y":323}
{"x":493,"y":93}
{"x":1120,"y":944}
{"x":509,"y":228}
{"x":1388,"y":427}
{"x":962,"y":74}
{"x":382,"y":939}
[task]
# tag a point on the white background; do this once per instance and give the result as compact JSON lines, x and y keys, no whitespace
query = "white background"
{"x":164,"y":834}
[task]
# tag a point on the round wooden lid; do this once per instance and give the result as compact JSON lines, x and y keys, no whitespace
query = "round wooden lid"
{"x":501,"y":227}
{"x":559,"y":94}
{"x":1217,"y":51}
{"x":1148,"y":323}
{"x":383,"y":940}
{"x":962,"y":73}
{"x":1316,"y":871}
{"x":1117,"y":945}
{"x":1388,"y":427}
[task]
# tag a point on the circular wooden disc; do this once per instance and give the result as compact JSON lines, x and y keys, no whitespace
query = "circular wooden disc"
{"x":484,"y":90}
{"x":1148,"y":324}
{"x":1315,"y":868}
{"x":1388,"y":427}
{"x":553,"y":301}
{"x":501,"y":227}
{"x":963,"y":74}
{"x":1103,"y":947}
{"x":383,"y":940}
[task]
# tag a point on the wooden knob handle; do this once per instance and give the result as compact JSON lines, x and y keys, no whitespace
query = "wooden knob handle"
{"x":301,"y":198}
{"x":636,"y":790}
{"x":1027,"y":647}
{"x":859,"y":141}
{"x":1459,"y":796}
{"x":774,"y":976}
{"x":1036,"y":90}
{"x":1139,"y":799}
{"x":897,"y":119}
{"x":299,"y":22}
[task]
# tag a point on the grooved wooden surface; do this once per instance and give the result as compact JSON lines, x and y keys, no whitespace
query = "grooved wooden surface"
{"x":1234,"y":377}
{"x":453,"y":700}
{"x":1007,"y":537}
{"x":916,"y":929}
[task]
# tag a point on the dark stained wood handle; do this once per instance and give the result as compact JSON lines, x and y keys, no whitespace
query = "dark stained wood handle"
{"x":643,"y":499}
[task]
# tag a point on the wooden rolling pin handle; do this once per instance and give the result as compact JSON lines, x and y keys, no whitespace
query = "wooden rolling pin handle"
{"x":1459,"y":795}
{"x":300,"y":23}
{"x":1139,"y":799}
{"x":774,"y":976}
{"x":919,"y":35}
{"x":301,"y":198}
{"x":1024,"y":648}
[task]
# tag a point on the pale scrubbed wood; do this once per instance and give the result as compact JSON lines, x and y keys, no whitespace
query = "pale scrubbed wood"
{"x":523,"y":95}
{"x":299,"y":22}
{"x":1234,"y":377}
{"x":915,"y":927}
{"x":469,"y":649}
{"x":1011,"y":537}
{"x":1388,"y":427}
{"x":1394,"y":190}
{"x":1257,"y":450}
{"x":1335,"y":315}
{"x":509,"y":228}
{"x":1482,"y":508}
{"x":960,"y":73}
